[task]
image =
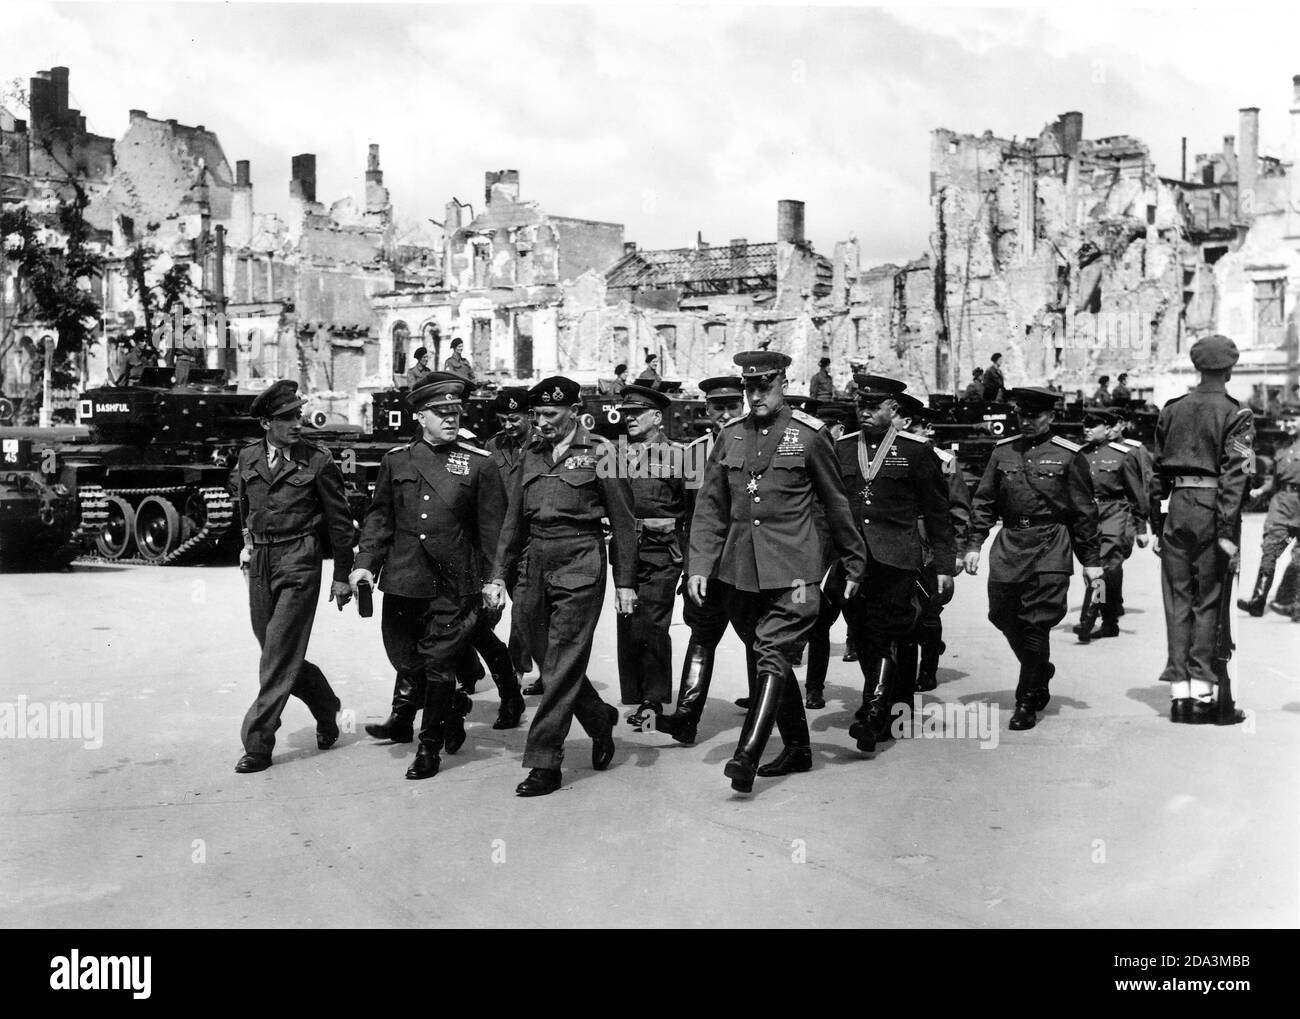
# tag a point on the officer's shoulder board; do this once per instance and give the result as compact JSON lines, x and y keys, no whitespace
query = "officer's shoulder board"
{"x":1132,"y":443}
{"x":735,"y":421}
{"x":473,"y":449}
{"x":914,"y":437}
{"x":1120,"y":446}
{"x":1073,"y":447}
{"x":944,"y":456}
{"x":697,"y":440}
{"x":804,"y":418}
{"x":851,"y":437}
{"x":1009,"y":438}
{"x":400,"y":449}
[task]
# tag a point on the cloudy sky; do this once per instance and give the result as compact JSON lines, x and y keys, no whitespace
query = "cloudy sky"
{"x":669,"y":119}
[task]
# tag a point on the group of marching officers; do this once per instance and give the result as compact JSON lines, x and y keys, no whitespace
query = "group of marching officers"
{"x":775,"y":522}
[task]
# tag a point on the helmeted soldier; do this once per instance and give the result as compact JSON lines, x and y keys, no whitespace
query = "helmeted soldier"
{"x":1282,"y":523}
{"x":431,"y":535}
{"x":291,"y":503}
{"x":1038,"y":484}
{"x":655,"y":468}
{"x":1117,"y":486}
{"x":567,"y":483}
{"x":753,"y":533}
{"x":893,"y":479}
{"x":1204,"y":451}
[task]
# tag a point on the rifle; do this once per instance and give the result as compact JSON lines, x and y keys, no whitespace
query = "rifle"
{"x":1223,"y":642}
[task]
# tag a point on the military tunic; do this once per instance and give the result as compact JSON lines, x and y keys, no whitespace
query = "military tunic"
{"x":1041,"y":490}
{"x":1121,"y":498}
{"x":1203,"y":451}
{"x":554,"y":522}
{"x":507,"y":455}
{"x":289,"y":514}
{"x":645,"y":649}
{"x":1282,"y":523}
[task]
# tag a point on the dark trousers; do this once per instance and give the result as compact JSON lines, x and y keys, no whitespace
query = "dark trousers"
{"x":520,"y":655}
{"x":425,"y":637}
{"x":819,"y":641}
{"x":1276,"y":537}
{"x":1191,"y":581}
{"x":645,"y":649}
{"x":283,"y":588}
{"x":1025,"y":612}
{"x":884,"y":611}
{"x":561,"y":590}
{"x":776,"y":625}
{"x":708,"y":622}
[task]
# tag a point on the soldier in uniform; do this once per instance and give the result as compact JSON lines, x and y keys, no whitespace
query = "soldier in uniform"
{"x":1101,"y":397}
{"x":1282,"y":524}
{"x":566,"y":484}
{"x":291,"y":501}
{"x":650,"y":373}
{"x":1121,"y":394}
{"x":994,"y":383}
{"x":420,"y":369}
{"x":916,"y":418}
{"x":457,"y":364}
{"x":431,"y":536}
{"x":654,"y":468}
{"x":507,"y":448}
{"x":822,"y":386}
{"x":1121,"y":517}
{"x":1039,"y":485}
{"x":1203,"y":454}
{"x":974,"y":391}
{"x":724,"y":401}
{"x":753,"y":528}
{"x":893,"y":479}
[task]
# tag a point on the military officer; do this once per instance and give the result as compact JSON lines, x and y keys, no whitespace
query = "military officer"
{"x":457,"y":363}
{"x":724,"y":401}
{"x":568,"y":481}
{"x":918,"y":419}
{"x":1203,"y":455}
{"x":893,"y":478}
{"x":753,"y":534}
{"x":431,"y":536}
{"x":291,"y":501}
{"x":420,"y":369}
{"x":1039,"y":485}
{"x":654,"y":466}
{"x":507,"y":448}
{"x":1282,"y":524}
{"x":1121,"y":517}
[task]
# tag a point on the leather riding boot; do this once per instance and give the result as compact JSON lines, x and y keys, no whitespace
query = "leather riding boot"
{"x":792,"y":723}
{"x":1110,"y":607}
{"x":455,"y":735}
{"x":692,"y":692}
{"x":751,"y":677}
{"x":1119,"y":592}
{"x":437,"y":706}
{"x":1087,"y":617}
{"x":904,"y":685}
{"x":872,"y":726}
{"x":1287,"y":590}
{"x":399,"y":726}
{"x":1259,"y":597}
{"x":927,"y":673}
{"x":511,"y":708}
{"x":754,"y":735}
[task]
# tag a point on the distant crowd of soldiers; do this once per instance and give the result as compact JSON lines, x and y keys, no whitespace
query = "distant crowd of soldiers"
{"x":793,"y":521}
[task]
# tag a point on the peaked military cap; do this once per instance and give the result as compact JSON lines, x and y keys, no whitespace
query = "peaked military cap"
{"x":909,"y":405}
{"x":511,"y":400}
{"x":878,"y":385}
{"x":832,"y":414}
{"x":278,"y":398}
{"x":437,"y":389}
{"x":1094,"y":416}
{"x":641,"y":397}
{"x":761,"y":364}
{"x":554,"y":391}
{"x":1214,"y":353}
{"x":804,"y":403}
{"x":721,"y":386}
{"x":1034,"y":399}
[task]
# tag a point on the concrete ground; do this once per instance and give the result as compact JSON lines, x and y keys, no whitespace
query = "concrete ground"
{"x":1105,"y":815}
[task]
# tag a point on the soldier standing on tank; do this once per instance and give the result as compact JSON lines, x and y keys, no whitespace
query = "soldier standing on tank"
{"x":1117,"y":486}
{"x":431,"y":536}
{"x":654,"y":467}
{"x":753,"y":534}
{"x":291,"y":499}
{"x":1038,"y":484}
{"x":1282,"y":524}
{"x":724,"y":401}
{"x":1203,"y":464}
{"x":420,"y":369}
{"x":568,"y":482}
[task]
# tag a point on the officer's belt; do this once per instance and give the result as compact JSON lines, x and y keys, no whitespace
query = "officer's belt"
{"x":1029,"y":521}
{"x":1195,"y":481}
{"x":281,"y":539}
{"x":659,"y":525}
{"x":565,"y":531}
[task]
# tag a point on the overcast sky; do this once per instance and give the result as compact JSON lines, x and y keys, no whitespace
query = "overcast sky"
{"x":667,"y":119}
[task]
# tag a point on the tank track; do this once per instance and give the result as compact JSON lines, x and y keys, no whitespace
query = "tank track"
{"x":220,"y":511}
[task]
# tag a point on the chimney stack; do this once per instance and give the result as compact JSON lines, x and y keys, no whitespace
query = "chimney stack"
{"x":629,"y":247}
{"x":1071,"y":133}
{"x":40,"y":101}
{"x":1229,"y":157}
{"x":241,"y":207}
{"x":241,"y":174}
{"x":139,"y":115}
{"x":302,"y":181}
{"x":59,"y":76}
{"x":1248,"y":161}
{"x":501,"y":186}
{"x":376,"y":193}
{"x":789,"y":221}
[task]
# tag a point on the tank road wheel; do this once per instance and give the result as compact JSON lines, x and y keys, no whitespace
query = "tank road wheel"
{"x":195,"y":516}
{"x":157,"y":528}
{"x":117,"y":537}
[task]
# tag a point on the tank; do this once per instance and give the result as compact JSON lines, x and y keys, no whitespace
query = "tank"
{"x":38,"y":515}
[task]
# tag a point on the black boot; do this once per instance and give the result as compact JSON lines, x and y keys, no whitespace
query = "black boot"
{"x":850,"y":649}
{"x":904,"y":685}
{"x":751,"y":677}
{"x":399,"y":727}
{"x":872,"y":726}
{"x":511,"y":711}
{"x":927,"y":674}
{"x":1259,"y":597}
{"x":796,"y":752}
{"x":754,"y":735}
{"x":455,"y":732}
{"x":1119,"y":594}
{"x":692,"y":692}
{"x":1110,"y":607}
{"x":1088,"y":617}
{"x":1286,"y":597}
{"x":437,"y":705}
